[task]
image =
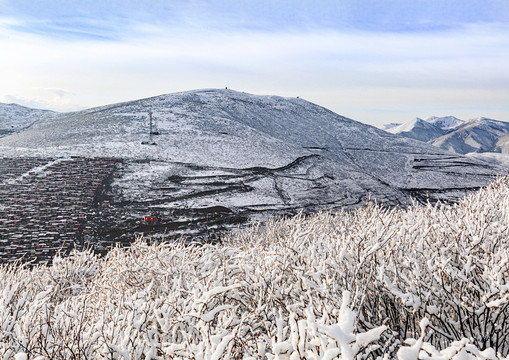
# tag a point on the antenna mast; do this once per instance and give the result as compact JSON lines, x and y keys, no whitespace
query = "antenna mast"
{"x":151,"y":132}
{"x":151,"y":140}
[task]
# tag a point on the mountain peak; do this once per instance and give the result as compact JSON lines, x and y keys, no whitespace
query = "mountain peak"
{"x":418,"y":129}
{"x":445,"y":122}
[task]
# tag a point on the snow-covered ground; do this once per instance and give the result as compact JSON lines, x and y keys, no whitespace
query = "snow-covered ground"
{"x":352,"y":283}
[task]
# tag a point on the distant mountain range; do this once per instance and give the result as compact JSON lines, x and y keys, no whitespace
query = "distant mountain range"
{"x":269,"y":152}
{"x":479,"y":135}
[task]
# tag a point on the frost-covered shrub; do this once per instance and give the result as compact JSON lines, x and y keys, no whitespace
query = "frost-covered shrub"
{"x":451,"y":264}
{"x":445,"y":262}
{"x":345,"y":285}
{"x":172,"y":301}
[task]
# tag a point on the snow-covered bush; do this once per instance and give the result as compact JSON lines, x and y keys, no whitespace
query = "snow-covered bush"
{"x":348,"y":285}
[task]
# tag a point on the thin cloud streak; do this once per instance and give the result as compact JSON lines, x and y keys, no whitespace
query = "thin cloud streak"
{"x":268,"y":15}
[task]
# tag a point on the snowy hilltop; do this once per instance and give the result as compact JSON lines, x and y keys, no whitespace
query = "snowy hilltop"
{"x":229,"y":129}
{"x":224,"y":157}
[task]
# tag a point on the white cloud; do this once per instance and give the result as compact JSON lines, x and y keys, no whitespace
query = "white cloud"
{"x":38,"y":98}
{"x":6,"y":22}
{"x":351,"y":73}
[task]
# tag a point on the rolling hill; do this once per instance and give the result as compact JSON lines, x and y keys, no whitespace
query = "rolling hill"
{"x":223,"y":152}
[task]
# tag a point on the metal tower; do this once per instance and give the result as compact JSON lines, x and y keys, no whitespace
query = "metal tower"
{"x":150,"y":139}
{"x":151,"y":132}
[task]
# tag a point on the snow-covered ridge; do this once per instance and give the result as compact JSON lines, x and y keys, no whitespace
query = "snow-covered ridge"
{"x":478,"y":135}
{"x":435,"y":123}
{"x":365,"y":284}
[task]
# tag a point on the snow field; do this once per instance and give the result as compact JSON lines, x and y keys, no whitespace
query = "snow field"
{"x":428,"y":282}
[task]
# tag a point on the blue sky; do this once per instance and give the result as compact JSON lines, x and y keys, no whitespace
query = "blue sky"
{"x":375,"y":61}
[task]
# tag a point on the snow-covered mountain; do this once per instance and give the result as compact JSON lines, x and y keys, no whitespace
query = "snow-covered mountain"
{"x":418,"y":129}
{"x":481,"y":135}
{"x":477,"y":135}
{"x":424,"y":129}
{"x":248,"y":154}
{"x":15,"y":118}
{"x":445,"y":122}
